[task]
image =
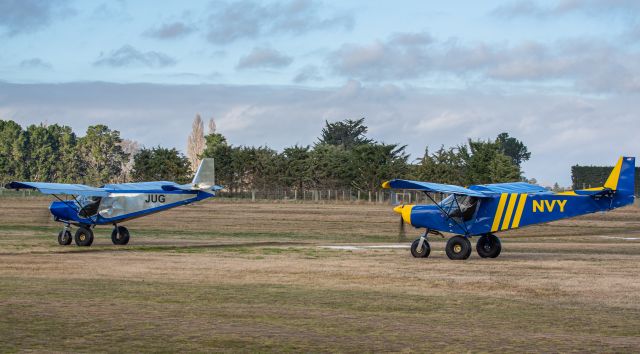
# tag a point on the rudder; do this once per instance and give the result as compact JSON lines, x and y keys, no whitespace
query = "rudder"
{"x":622,"y":178}
{"x":205,"y":176}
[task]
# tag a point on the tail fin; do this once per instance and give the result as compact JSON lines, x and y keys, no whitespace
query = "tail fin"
{"x":622,"y":178}
{"x":205,"y":176}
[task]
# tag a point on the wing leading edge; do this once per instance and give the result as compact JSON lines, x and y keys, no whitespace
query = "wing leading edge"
{"x":60,"y":188}
{"x":432,"y":187}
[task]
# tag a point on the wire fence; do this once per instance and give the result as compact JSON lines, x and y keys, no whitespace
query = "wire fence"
{"x":331,"y":195}
{"x":303,"y":196}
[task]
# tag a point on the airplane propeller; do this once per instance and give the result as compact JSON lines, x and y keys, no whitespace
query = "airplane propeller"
{"x":402,"y":232}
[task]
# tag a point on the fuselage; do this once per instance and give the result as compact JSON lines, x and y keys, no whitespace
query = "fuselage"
{"x":507,"y":211}
{"x":120,"y":206}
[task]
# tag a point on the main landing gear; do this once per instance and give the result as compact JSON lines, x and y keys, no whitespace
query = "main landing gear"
{"x":120,"y":235}
{"x":459,"y":247}
{"x":488,"y":246}
{"x":84,"y":236}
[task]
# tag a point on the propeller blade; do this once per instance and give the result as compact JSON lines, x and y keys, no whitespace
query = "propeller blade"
{"x":402,"y":232}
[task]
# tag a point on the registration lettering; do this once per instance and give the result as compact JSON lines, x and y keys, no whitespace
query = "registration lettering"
{"x":155,"y":198}
{"x":541,"y":206}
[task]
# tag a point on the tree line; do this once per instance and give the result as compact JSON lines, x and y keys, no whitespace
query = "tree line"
{"x":343,"y":157}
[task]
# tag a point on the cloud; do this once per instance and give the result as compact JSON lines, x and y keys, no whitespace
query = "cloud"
{"x":251,"y":19}
{"x":35,"y":63}
{"x":598,"y":8}
{"x":262,"y":57}
{"x":112,"y":10}
{"x":399,"y":57}
{"x":26,"y":16}
{"x":130,"y":56}
{"x":582,"y":64}
{"x":559,"y":130}
{"x":307,"y":73}
{"x":171,"y":30}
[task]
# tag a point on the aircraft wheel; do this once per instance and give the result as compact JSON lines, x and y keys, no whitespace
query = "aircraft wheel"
{"x":120,"y":235}
{"x":64,"y":238}
{"x":84,"y":236}
{"x":422,"y":253}
{"x":458,"y":247}
{"x":488,"y":246}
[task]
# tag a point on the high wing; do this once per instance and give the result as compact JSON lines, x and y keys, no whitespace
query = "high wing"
{"x":60,"y":188}
{"x":510,"y":187}
{"x":432,"y":187}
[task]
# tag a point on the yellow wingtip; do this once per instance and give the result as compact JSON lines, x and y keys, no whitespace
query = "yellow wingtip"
{"x":386,"y":185}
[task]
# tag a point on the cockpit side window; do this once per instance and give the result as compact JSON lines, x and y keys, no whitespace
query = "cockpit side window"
{"x":460,"y":206}
{"x":89,"y":206}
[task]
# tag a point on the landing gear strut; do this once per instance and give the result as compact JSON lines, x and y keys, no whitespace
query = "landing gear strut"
{"x":120,"y":235}
{"x":420,"y":247}
{"x":64,"y":236}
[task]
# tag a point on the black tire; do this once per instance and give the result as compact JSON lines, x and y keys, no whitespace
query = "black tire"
{"x":424,"y":252}
{"x":458,"y":248}
{"x":488,"y":246}
{"x":83,"y":237}
{"x":120,"y":235}
{"x":64,"y":238}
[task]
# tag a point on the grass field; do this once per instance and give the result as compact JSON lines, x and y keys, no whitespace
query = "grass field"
{"x":254,"y":277}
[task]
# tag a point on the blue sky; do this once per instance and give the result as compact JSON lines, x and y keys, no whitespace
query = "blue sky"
{"x":563,"y":76}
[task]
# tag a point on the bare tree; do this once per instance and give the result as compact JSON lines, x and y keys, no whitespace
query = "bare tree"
{"x":212,"y":126}
{"x":196,"y":142}
{"x":131,"y":148}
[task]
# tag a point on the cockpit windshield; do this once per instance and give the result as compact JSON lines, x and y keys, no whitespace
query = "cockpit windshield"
{"x":460,"y":206}
{"x":88,"y":206}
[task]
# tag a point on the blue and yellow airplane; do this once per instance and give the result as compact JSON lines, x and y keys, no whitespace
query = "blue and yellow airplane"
{"x":483,"y":210}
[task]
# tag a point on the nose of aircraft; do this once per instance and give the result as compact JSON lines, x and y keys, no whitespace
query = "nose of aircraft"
{"x":405,"y":211}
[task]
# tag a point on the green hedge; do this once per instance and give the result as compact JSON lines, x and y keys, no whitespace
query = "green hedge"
{"x":595,"y":176}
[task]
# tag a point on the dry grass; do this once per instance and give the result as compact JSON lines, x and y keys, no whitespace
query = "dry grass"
{"x":228,"y":276}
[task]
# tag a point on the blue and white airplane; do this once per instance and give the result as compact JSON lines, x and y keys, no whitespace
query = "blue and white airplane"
{"x":483,"y":210}
{"x":113,"y":204}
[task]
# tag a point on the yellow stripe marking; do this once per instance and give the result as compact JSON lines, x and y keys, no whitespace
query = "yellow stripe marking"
{"x":612,"y":181}
{"x":498,"y":216}
{"x":507,"y":216}
{"x":519,"y":210}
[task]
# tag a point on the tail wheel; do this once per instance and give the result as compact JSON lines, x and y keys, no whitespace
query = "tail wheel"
{"x":423,"y":252}
{"x":84,"y":236}
{"x":120,"y":235}
{"x":64,"y":238}
{"x":488,"y":246}
{"x":458,"y":248}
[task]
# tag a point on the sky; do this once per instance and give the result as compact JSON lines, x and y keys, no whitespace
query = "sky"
{"x":562,"y":76}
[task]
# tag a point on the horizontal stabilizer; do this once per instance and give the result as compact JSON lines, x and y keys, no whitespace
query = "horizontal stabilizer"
{"x":189,"y":187}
